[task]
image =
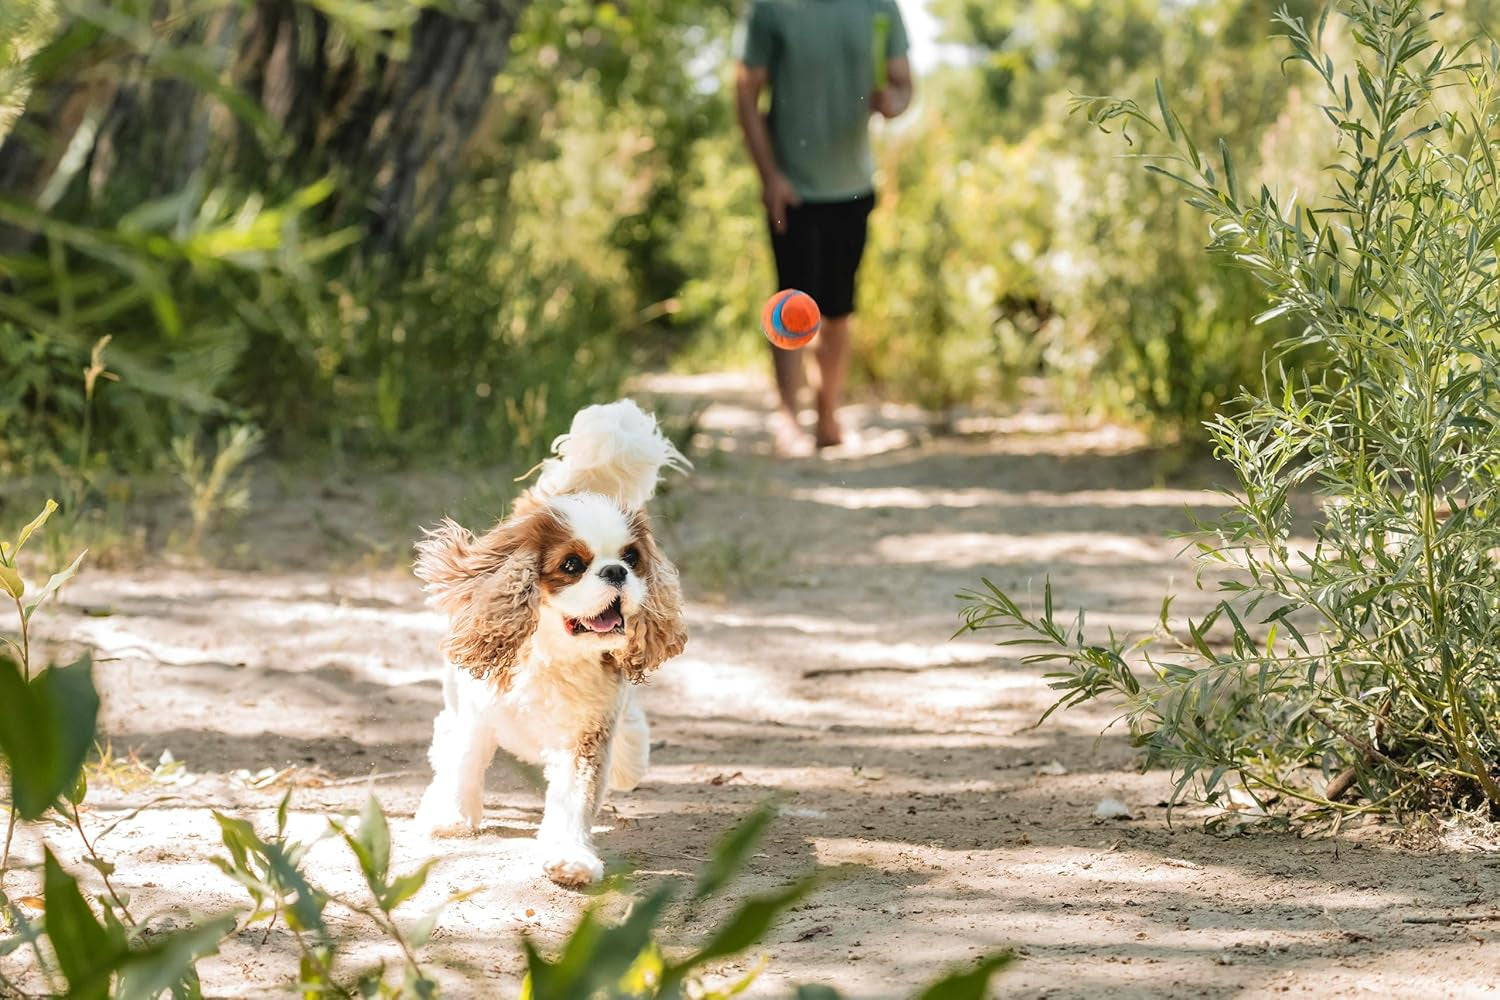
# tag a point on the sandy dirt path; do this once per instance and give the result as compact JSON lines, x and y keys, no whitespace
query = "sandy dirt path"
{"x":820,"y":669}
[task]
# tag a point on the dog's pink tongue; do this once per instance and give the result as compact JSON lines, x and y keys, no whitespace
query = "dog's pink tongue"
{"x":604,"y":622}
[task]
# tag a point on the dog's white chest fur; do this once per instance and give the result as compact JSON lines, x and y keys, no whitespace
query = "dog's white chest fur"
{"x":553,"y":697}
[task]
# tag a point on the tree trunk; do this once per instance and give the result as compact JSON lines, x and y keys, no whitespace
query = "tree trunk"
{"x":390,"y":131}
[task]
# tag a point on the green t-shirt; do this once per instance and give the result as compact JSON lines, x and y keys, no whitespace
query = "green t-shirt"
{"x":820,"y":56}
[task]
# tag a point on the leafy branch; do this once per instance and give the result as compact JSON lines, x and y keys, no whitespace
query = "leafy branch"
{"x":1385,"y":683}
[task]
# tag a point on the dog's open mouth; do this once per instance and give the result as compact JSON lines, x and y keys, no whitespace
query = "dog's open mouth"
{"x":611,"y":619}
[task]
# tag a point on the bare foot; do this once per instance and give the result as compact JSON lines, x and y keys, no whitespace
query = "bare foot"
{"x":787,"y":439}
{"x":830,"y":435}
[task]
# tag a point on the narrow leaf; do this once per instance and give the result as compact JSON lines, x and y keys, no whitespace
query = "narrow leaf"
{"x":1231,"y":180}
{"x":1166,"y":114}
{"x":731,"y":852}
{"x":749,"y":923}
{"x":53,"y":584}
{"x":36,"y":523}
{"x":405,"y":887}
{"x":971,"y":985}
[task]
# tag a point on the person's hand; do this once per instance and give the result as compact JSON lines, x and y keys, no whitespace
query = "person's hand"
{"x":778,"y":194}
{"x":884,"y":102}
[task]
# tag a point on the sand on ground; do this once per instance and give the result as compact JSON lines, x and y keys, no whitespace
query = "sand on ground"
{"x":822,"y":669}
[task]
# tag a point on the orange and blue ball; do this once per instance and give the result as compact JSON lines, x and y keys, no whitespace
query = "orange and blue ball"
{"x":791,"y":319}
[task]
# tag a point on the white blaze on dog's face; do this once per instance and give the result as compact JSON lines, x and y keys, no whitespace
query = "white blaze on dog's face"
{"x":591,"y":573}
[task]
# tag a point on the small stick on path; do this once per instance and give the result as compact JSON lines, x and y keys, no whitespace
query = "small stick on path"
{"x":1466,"y":918}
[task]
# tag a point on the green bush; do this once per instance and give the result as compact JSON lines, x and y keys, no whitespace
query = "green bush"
{"x":550,"y":281}
{"x":1371,"y":683}
{"x":1022,"y":242}
{"x":47,"y":726}
{"x":933,"y":326}
{"x":726,"y":253}
{"x":238,"y":296}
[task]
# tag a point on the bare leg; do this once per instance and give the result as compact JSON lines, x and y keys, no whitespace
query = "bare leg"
{"x":787,"y":435}
{"x":575,"y":787}
{"x":832,"y":348}
{"x":462,"y":747}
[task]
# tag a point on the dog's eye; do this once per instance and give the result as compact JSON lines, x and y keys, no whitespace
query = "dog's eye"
{"x":630,"y":558}
{"x":572,"y":564}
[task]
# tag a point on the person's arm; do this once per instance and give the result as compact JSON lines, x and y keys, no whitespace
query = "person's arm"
{"x":895,"y":97}
{"x":776,"y":191}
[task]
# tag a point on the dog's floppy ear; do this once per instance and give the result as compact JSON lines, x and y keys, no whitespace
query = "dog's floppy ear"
{"x":488,"y":587}
{"x":656,"y":632}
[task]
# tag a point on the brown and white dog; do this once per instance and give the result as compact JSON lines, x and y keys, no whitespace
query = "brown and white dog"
{"x":553,"y":614}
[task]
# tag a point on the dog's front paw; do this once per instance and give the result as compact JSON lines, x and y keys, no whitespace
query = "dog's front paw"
{"x":571,"y":864}
{"x":440,"y":816}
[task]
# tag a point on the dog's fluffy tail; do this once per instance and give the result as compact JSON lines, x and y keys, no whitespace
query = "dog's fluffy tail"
{"x":615,"y":449}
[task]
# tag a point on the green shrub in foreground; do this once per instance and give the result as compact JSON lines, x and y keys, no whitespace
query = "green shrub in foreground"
{"x":1373,"y":680}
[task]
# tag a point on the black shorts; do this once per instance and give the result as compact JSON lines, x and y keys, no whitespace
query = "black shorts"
{"x":819,"y":252}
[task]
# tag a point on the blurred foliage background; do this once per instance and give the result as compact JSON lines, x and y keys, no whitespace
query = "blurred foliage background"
{"x":381,"y":228}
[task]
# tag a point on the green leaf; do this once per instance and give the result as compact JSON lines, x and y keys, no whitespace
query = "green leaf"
{"x":11,"y":581}
{"x":595,"y":957}
{"x":1231,"y":180}
{"x":78,"y":37}
{"x":731,"y":852}
{"x":1166,"y":114}
{"x":416,"y":984}
{"x":169,"y":963}
{"x":971,"y":985}
{"x":52,"y":585}
{"x":240,"y":840}
{"x":36,"y":523}
{"x":376,"y":835}
{"x":371,"y":844}
{"x":306,"y":910}
{"x":747,"y":925}
{"x":304,"y":905}
{"x":536,"y":967}
{"x":313,"y":975}
{"x":46,"y":730}
{"x":84,"y":950}
{"x":1273,"y":312}
{"x":405,"y":887}
{"x":818,"y":992}
{"x":421,"y":931}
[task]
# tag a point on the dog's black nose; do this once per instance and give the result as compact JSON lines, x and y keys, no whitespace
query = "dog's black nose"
{"x":614,"y":574}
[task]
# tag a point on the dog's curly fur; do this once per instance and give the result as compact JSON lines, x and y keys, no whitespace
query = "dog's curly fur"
{"x":656,"y":634}
{"x":552,"y":614}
